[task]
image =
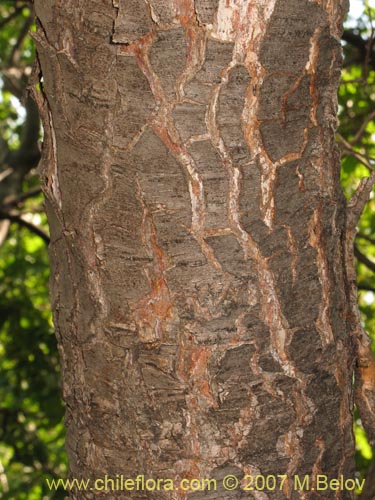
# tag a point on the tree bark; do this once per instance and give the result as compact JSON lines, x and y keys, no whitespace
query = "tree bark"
{"x":197,"y":246}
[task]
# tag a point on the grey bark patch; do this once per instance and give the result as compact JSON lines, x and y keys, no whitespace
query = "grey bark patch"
{"x":168,"y":57}
{"x":286,"y":44}
{"x":309,"y":160}
{"x":103,"y":360}
{"x":233,"y":378}
{"x":286,"y":49}
{"x":206,"y":10}
{"x":250,"y":199}
{"x":70,"y":161}
{"x":128,"y":282}
{"x":223,"y":328}
{"x":230,"y":254}
{"x":268,"y":364}
{"x":301,"y":304}
{"x":217,"y":331}
{"x":188,"y":267}
{"x":125,"y":256}
{"x":216,"y":202}
{"x":300,"y":98}
{"x":235,"y":366}
{"x":99,"y":21}
{"x":285,"y":111}
{"x":274,"y":86}
{"x":163,"y":358}
{"x":198,"y":91}
{"x":326,"y":405}
{"x":123,"y":336}
{"x":137,"y":101}
{"x":305,"y":349}
{"x":280,"y":138}
{"x":327,"y":78}
{"x":231,"y":105}
{"x":277,"y":85}
{"x":44,"y":12}
{"x":132,"y":22}
{"x":215,"y":183}
{"x":156,"y":379}
{"x":189,"y":120}
{"x":281,"y":266}
{"x":256,"y":327}
{"x":218,"y":56}
{"x":207,"y":160}
{"x":274,"y":243}
{"x":175,"y":238}
{"x":330,"y":44}
{"x":189,"y":264}
{"x":164,"y":11}
{"x":293,"y":206}
{"x":162,"y":178}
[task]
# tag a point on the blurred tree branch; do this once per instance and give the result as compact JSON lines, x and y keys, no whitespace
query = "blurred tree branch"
{"x":363,"y":259}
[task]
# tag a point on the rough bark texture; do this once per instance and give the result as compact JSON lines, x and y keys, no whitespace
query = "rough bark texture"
{"x":198,"y":268}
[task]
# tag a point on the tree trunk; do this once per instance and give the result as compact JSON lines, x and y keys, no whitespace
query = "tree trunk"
{"x":198,"y":258}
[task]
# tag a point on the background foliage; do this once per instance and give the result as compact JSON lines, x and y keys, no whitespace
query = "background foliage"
{"x":31,"y":411}
{"x":357,"y":140}
{"x":31,"y":429}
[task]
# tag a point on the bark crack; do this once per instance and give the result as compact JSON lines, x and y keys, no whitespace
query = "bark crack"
{"x":316,"y":232}
{"x":154,"y":312}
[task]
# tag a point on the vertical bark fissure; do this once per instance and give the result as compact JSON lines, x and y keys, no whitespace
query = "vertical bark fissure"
{"x":155,"y":310}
